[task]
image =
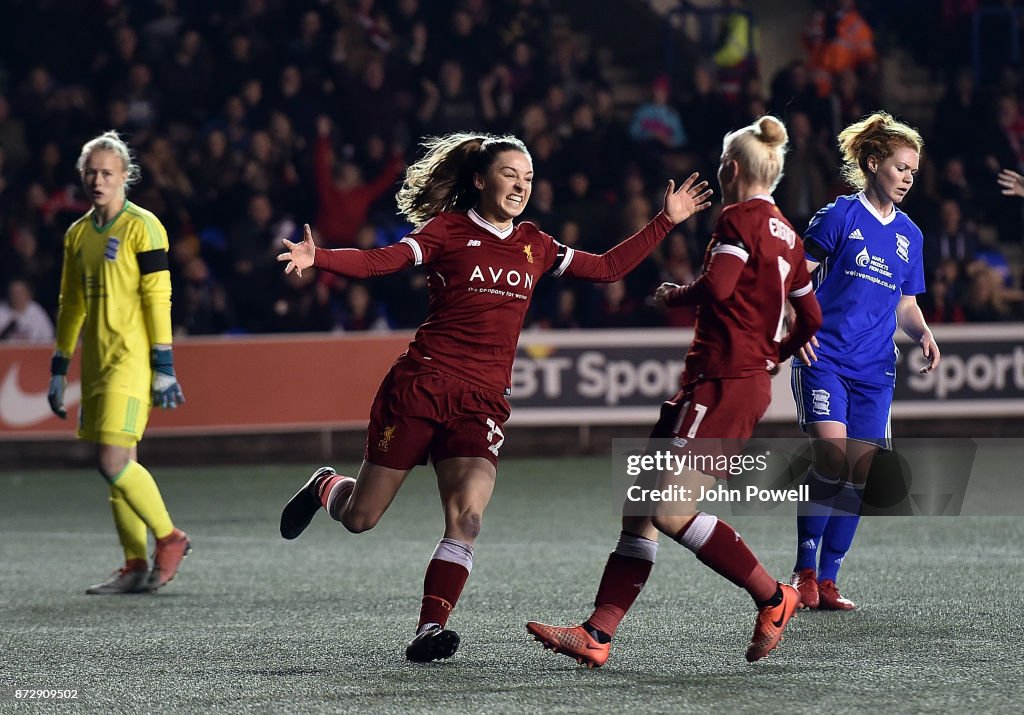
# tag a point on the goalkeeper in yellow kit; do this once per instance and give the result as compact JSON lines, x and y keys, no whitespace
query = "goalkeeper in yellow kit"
{"x":116,"y":291}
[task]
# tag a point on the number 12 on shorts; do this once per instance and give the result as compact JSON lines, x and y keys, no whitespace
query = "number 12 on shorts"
{"x":495,"y":431}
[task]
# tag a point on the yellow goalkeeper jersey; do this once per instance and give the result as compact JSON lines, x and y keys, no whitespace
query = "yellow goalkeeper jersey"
{"x":116,"y":291}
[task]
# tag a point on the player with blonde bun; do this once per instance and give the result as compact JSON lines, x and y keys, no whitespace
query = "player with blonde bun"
{"x":754,"y":262}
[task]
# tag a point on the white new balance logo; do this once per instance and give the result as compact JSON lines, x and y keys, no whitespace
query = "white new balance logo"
{"x":856,"y":235}
{"x":473,"y":242}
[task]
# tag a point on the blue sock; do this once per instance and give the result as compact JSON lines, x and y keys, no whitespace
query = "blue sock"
{"x":812,"y":518}
{"x":839,"y":532}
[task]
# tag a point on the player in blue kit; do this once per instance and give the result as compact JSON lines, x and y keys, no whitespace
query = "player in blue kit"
{"x":865,"y":257}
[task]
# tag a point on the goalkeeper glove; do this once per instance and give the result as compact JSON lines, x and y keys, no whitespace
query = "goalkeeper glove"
{"x":58,"y":382}
{"x":166,"y":390}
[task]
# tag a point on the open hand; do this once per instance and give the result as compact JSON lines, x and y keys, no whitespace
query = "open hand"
{"x":690,"y":198}
{"x":1012,"y":183}
{"x":299,"y":255}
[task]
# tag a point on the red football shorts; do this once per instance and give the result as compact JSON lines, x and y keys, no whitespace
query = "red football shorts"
{"x":715,"y":416}
{"x":420,"y":413}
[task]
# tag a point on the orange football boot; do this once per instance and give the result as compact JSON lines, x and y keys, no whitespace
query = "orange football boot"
{"x":771,"y":620}
{"x":574,"y":642}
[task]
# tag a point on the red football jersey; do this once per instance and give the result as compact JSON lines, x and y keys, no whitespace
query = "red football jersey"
{"x":740,"y":334}
{"x":481,"y":281}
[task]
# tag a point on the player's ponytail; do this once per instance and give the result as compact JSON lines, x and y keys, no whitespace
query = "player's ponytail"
{"x":111,"y":141}
{"x":878,"y":135}
{"x":442,"y":180}
{"x":760,"y":150}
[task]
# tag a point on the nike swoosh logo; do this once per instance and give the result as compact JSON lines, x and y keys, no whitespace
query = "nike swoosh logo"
{"x":778,"y":623}
{"x":22,"y":409}
{"x":590,"y":647}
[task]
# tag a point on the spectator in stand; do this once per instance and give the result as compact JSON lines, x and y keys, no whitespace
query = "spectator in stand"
{"x":953,"y":239}
{"x":186,"y":77}
{"x":214,"y":170}
{"x":449,"y":105}
{"x":567,"y":312}
{"x":251,"y":245}
{"x":375,"y":97}
{"x":617,"y":309}
{"x":361,"y":312}
{"x":583,"y":149}
{"x":21,"y":317}
{"x":13,"y":140}
{"x":143,"y":98}
{"x":302,"y":305}
{"x":954,"y":184}
{"x":704,"y":109}
{"x":656,"y":128}
{"x":202,"y":307}
{"x":941,"y":304}
{"x":295,"y":100}
{"x":344,"y":198}
{"x":735,"y":51}
{"x":496,"y":99}
{"x":804,"y":186}
{"x":586,"y":209}
{"x":678,"y":268}
{"x":1005,"y":148}
{"x":541,"y":209}
{"x":957,"y":117}
{"x":838,"y":39}
{"x":23,"y":258}
{"x":988,"y":301}
{"x":792,"y":91}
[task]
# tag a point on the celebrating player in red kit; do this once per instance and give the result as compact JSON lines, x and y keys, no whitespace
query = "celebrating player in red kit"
{"x":444,"y":398}
{"x":753,"y":264}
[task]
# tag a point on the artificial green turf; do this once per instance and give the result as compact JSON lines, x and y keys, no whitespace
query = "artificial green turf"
{"x":257,"y":624}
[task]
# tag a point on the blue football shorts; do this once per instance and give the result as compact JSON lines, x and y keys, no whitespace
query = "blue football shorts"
{"x":823,"y":395}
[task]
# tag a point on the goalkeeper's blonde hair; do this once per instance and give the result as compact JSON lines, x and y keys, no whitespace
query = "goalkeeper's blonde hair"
{"x":111,"y":141}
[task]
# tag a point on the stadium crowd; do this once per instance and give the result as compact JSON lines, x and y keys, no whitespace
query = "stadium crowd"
{"x":252,"y":117}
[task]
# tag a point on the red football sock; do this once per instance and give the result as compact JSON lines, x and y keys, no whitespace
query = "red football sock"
{"x":625,"y":574}
{"x":446,"y":576}
{"x":334,"y":493}
{"x":717,"y":545}
{"x":621,"y":583}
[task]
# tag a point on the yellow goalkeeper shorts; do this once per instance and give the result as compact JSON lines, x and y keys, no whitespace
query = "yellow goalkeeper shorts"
{"x":112,"y":418}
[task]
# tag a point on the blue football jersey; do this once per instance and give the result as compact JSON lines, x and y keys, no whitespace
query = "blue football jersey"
{"x":867,"y":263}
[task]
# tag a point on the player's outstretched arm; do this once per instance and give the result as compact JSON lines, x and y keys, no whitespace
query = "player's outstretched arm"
{"x":1012,"y":183}
{"x":691,"y":197}
{"x":351,"y":262}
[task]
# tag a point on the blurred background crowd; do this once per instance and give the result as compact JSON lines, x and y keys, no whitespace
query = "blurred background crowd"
{"x":251,"y":117}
